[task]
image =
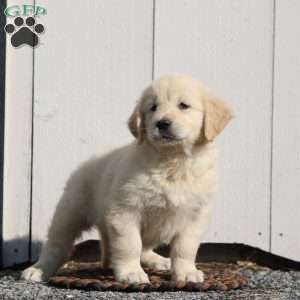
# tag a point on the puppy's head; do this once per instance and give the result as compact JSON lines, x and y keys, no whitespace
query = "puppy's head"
{"x":178,"y":111}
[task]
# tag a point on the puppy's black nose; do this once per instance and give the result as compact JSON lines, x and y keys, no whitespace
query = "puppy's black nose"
{"x":163,"y":124}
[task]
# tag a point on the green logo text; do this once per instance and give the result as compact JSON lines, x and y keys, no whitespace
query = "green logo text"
{"x":24,"y":10}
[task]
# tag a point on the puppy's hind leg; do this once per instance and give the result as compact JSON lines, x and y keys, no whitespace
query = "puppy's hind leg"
{"x":68,"y":222}
{"x":153,"y":260}
{"x":105,"y":252}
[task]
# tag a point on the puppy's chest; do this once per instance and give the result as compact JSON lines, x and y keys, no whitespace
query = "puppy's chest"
{"x":174,"y":193}
{"x":169,"y":208}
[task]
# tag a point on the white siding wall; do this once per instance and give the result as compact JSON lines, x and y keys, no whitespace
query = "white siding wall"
{"x":87,"y":79}
{"x":286,"y":146}
{"x":228,"y":44}
{"x":89,"y":70}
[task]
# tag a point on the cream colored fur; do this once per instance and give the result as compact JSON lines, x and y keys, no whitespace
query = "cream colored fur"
{"x":158,"y":189}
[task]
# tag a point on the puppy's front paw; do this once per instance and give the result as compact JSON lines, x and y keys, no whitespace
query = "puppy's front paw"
{"x":33,"y":274}
{"x":192,"y":276}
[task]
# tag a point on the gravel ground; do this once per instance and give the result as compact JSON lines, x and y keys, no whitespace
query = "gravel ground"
{"x":263,"y":285}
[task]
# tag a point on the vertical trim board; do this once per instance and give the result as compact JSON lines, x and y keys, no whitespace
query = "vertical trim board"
{"x":2,"y":116}
{"x":17,"y":151}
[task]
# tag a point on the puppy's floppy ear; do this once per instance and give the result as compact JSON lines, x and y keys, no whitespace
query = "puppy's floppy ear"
{"x":136,"y":124}
{"x":133,"y":122}
{"x":216,"y":116}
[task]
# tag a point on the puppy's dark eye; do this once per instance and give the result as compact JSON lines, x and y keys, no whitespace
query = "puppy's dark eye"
{"x":153,"y":107}
{"x":183,"y":106}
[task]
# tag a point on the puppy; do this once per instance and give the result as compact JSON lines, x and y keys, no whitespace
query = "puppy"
{"x":158,"y":189}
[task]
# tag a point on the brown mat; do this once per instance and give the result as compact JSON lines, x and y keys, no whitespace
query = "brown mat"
{"x":90,"y":276}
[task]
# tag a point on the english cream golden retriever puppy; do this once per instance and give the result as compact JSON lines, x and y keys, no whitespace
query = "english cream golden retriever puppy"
{"x":158,"y":189}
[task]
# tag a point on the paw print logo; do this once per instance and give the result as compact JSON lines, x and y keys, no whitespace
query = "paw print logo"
{"x":24,"y":32}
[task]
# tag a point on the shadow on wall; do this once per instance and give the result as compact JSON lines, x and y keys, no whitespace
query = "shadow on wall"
{"x":19,"y":251}
{"x":90,"y":251}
